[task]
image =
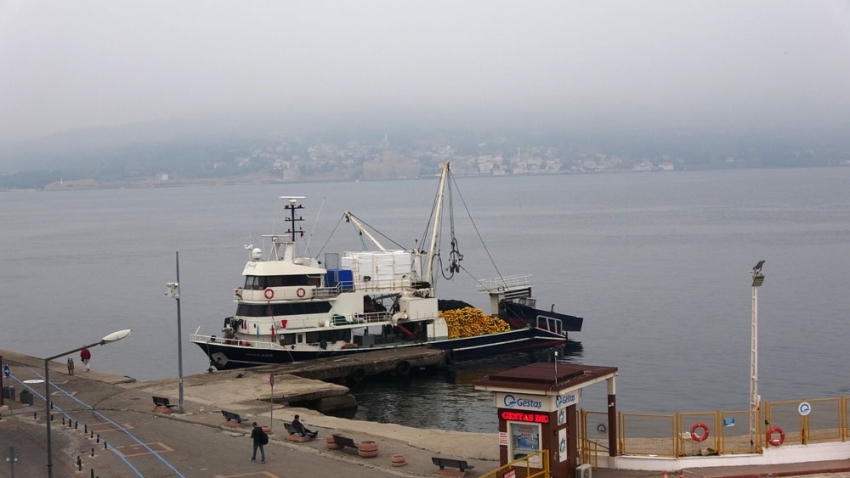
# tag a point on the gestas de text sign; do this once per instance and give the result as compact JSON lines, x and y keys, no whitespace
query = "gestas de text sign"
{"x":525,"y":417}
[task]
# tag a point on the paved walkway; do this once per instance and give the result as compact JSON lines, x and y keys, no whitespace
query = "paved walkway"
{"x":197,"y":444}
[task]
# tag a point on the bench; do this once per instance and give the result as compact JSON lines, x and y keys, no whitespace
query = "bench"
{"x":162,"y":402}
{"x":461,"y":465}
{"x":232,"y":417}
{"x":343,"y":442}
{"x":293,"y":435}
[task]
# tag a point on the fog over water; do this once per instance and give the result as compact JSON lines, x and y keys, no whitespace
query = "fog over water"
{"x":658,"y":264}
{"x":661,"y":67}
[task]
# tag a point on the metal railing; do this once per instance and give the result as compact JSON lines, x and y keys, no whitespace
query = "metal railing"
{"x":538,"y":461}
{"x":720,"y":432}
{"x":504,"y":283}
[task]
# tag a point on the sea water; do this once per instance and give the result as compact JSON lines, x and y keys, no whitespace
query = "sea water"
{"x":658,"y":264}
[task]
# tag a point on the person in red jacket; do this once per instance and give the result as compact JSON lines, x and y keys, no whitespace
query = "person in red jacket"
{"x":85,"y":356}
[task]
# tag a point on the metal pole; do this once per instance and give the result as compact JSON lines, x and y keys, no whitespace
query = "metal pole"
{"x":179,"y":338}
{"x":271,"y":409}
{"x":47,"y":416}
{"x":754,"y":365}
{"x":758,"y":280}
{"x":1,"y":381}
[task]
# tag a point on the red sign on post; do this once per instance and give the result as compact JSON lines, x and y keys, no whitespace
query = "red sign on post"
{"x":271,"y":379}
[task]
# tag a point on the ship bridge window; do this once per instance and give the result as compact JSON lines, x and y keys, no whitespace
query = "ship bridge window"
{"x":261,"y":282}
{"x":297,"y":308}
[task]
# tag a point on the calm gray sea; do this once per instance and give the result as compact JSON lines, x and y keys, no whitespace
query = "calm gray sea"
{"x":657,"y":263}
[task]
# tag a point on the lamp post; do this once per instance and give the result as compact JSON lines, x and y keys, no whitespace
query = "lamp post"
{"x":758,"y":280}
{"x":113,"y":337}
{"x":174,"y":292}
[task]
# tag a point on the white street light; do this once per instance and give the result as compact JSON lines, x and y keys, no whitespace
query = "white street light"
{"x":758,"y":280}
{"x":113,"y":337}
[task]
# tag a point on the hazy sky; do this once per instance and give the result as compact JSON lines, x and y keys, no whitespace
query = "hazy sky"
{"x":73,"y":64}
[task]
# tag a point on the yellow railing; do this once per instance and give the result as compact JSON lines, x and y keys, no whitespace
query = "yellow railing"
{"x":719,"y":432}
{"x":541,"y":457}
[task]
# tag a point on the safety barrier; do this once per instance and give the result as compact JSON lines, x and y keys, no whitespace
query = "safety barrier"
{"x":721,"y":432}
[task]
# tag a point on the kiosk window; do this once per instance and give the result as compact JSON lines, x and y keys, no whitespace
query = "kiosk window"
{"x":524,"y":440}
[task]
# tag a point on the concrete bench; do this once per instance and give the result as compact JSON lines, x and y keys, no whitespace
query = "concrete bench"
{"x":461,"y":466}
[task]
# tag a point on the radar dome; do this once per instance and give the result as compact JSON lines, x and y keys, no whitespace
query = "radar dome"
{"x":257,"y":254}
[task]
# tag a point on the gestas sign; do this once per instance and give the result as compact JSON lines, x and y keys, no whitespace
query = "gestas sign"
{"x":536,"y":403}
{"x":524,"y":417}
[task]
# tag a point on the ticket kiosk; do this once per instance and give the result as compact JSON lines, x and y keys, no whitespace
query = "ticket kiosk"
{"x":536,"y":405}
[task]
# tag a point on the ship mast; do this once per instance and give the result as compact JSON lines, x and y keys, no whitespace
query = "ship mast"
{"x":429,"y":269}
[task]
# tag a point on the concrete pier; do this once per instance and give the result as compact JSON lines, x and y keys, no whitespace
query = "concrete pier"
{"x":116,"y":432}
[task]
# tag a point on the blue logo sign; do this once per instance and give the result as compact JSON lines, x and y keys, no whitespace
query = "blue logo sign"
{"x":511,"y":401}
{"x":564,"y":400}
{"x":6,"y":371}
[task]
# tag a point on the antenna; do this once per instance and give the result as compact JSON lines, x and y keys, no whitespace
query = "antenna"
{"x":310,"y":237}
{"x":556,"y":367}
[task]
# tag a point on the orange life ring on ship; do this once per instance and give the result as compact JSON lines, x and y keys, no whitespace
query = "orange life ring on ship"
{"x":300,"y":292}
{"x":268,"y":294}
{"x":775,"y":441}
{"x":699,"y":425}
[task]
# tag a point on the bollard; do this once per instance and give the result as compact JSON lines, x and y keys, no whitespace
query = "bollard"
{"x":98,"y":438}
{"x":92,"y":473}
{"x":85,"y":428}
{"x":91,"y":434}
{"x":104,"y":444}
{"x":76,"y":424}
{"x":681,"y":473}
{"x":69,"y":423}
{"x":63,"y":421}
{"x":92,"y":454}
{"x":79,"y":463}
{"x":51,"y":417}
{"x":35,"y":415}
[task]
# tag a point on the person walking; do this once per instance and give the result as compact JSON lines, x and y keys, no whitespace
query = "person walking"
{"x":85,"y":356}
{"x":260,"y":438}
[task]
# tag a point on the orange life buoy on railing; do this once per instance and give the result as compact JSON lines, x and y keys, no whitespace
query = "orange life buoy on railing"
{"x":694,"y":428}
{"x":300,"y":292}
{"x":775,"y":441}
{"x":268,"y":294}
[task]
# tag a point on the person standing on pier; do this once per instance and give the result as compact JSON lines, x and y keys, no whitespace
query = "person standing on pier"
{"x":85,"y":356}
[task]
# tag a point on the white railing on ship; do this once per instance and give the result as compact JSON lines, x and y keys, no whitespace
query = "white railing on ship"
{"x":549,"y":323}
{"x":504,"y":283}
{"x":213,"y":339}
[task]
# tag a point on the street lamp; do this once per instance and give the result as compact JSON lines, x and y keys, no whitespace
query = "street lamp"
{"x":173,"y":291}
{"x":758,"y":280}
{"x":113,"y":337}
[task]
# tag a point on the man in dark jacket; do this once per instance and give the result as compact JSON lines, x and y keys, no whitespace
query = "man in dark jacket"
{"x":301,"y":430}
{"x":257,"y":434}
